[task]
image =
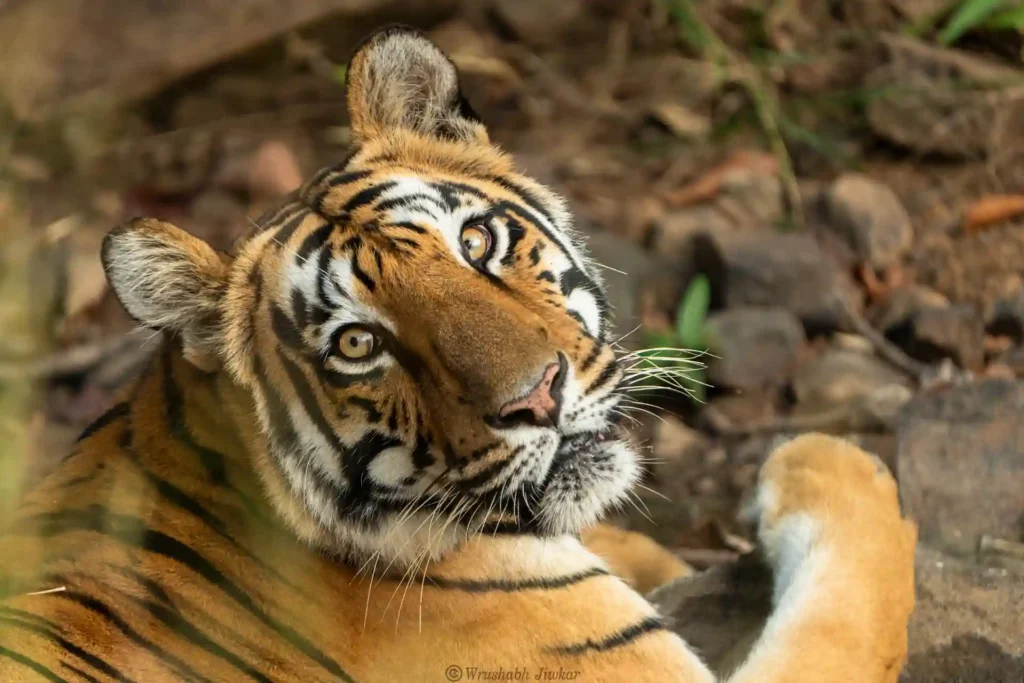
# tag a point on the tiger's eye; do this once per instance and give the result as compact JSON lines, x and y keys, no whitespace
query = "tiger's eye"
{"x":356,"y":343}
{"x":476,"y":241}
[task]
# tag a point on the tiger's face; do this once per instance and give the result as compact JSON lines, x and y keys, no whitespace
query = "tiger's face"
{"x":421,"y":336}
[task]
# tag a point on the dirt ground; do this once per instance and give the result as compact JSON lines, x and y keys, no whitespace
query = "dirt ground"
{"x":850,"y":193}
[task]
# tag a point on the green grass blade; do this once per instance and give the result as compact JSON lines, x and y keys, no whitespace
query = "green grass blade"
{"x":970,"y":14}
{"x":1010,"y":19}
{"x":693,"y":311}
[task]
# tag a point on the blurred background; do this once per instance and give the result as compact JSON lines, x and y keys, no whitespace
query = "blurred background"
{"x":825,"y":196}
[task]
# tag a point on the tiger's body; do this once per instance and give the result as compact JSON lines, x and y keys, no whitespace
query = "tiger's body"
{"x":369,"y":447}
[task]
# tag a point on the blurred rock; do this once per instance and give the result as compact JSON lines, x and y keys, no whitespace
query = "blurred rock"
{"x":839,"y":376}
{"x":929,"y":110}
{"x":673,"y":440}
{"x":967,"y":623}
{"x":634,"y":266}
{"x":1014,"y":360}
{"x":961,"y":464}
{"x":63,"y":53}
{"x":871,"y":218}
{"x":956,"y":332}
{"x":783,"y":269}
{"x":755,"y":347}
{"x":1007,"y":317}
{"x":900,"y":306}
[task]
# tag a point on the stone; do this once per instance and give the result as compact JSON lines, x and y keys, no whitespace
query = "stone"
{"x":870,"y":217}
{"x":927,"y":112}
{"x":839,"y":376}
{"x":627,"y":269}
{"x":956,"y":332}
{"x":966,"y":624}
{"x":673,"y":440}
{"x":788,"y":270}
{"x":1007,"y":317}
{"x":901,"y":304}
{"x":755,"y":346}
{"x":961,"y":463}
{"x":67,"y":53}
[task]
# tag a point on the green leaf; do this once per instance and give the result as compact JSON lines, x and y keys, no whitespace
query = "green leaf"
{"x":970,"y":14}
{"x":1010,"y":19}
{"x":691,"y":28}
{"x":693,"y":311}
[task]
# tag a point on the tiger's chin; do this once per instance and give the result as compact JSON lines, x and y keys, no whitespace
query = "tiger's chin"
{"x":591,"y":474}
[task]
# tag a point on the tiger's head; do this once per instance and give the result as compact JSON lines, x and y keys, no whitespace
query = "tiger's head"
{"x":418,"y":331}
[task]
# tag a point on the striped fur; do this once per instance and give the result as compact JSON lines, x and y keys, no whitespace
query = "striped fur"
{"x":263,"y":507}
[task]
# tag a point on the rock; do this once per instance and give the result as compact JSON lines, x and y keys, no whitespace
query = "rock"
{"x":673,"y":440}
{"x":967,"y":623}
{"x":1007,"y":317}
{"x":961,"y":464}
{"x":635,"y":268}
{"x":900,"y":306}
{"x":927,"y":112}
{"x":1013,"y":359}
{"x":783,"y":269}
{"x":839,"y":376}
{"x":755,"y":347}
{"x":933,"y":334}
{"x":62,"y":53}
{"x":871,"y":219}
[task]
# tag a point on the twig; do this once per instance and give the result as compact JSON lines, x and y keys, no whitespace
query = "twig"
{"x":886,"y":349}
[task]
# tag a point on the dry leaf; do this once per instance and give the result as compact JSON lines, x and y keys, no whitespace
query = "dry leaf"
{"x":992,"y":209}
{"x":710,"y":184}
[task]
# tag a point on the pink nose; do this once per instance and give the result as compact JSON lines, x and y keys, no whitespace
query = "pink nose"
{"x":540,"y":406}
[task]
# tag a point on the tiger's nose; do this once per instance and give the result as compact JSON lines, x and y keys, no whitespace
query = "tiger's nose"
{"x":541,"y":405}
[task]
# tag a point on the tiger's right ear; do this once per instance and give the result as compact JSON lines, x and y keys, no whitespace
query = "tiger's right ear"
{"x":169,"y":280}
{"x":400,"y":80}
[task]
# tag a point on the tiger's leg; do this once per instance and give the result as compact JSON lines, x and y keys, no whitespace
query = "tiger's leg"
{"x":635,"y":558}
{"x":843,"y":560}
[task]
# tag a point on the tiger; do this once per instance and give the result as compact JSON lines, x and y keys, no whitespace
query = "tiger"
{"x":378,"y":441}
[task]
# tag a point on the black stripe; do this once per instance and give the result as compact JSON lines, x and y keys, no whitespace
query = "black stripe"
{"x":117,"y":411}
{"x":99,"y":609}
{"x":133,"y":532}
{"x":314,"y":240}
{"x":80,"y":673}
{"x":212,"y":460}
{"x":535,"y":253}
{"x":615,"y":640}
{"x":361,"y":274}
{"x":32,"y":664}
{"x":372,"y":413}
{"x":285,"y":232}
{"x":407,"y":225}
{"x":285,"y":330}
{"x":52,"y":633}
{"x":348,"y":178}
{"x":506,"y":586}
{"x":595,"y":353}
{"x":525,"y":196}
{"x":367,"y":196}
{"x":602,"y":379}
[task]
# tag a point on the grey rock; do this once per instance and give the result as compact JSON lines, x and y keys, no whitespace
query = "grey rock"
{"x":927,"y":111}
{"x":755,"y":346}
{"x":956,"y":332}
{"x":966,"y":624}
{"x":961,"y":463}
{"x":1007,"y":317}
{"x":839,"y":376}
{"x":783,"y":269}
{"x":900,"y":306}
{"x":623,"y":288}
{"x":870,"y":217}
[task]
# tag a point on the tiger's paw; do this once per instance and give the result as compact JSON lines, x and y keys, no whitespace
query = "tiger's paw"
{"x":633,"y":557}
{"x":830,"y":524}
{"x":820,"y":494}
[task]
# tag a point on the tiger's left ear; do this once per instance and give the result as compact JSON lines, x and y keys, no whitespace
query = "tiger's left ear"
{"x":400,"y":80}
{"x":169,"y":280}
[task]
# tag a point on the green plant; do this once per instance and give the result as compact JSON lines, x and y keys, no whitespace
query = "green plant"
{"x":670,"y":360}
{"x":962,"y":17}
